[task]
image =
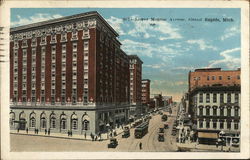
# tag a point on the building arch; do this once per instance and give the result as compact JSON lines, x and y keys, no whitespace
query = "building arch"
{"x":12,"y":118}
{"x":63,"y":121}
{"x":74,"y":122}
{"x":43,"y":120}
{"x":85,"y":122}
{"x":52,"y":120}
{"x":32,"y":119}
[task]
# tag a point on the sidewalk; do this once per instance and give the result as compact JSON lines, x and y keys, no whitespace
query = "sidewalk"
{"x":202,"y":147}
{"x":104,"y":136}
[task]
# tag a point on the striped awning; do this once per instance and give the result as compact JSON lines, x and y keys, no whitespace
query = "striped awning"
{"x":207,"y":135}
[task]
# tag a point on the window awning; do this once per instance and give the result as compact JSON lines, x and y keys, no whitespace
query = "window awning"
{"x":207,"y":135}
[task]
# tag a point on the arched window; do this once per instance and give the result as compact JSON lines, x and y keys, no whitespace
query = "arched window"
{"x":85,"y":123}
{"x":207,"y":110}
{"x":43,"y":121}
{"x":12,"y":118}
{"x":22,"y":116}
{"x":53,"y":120}
{"x":214,"y":110}
{"x":63,"y":121}
{"x":32,"y":120}
{"x":236,"y":111}
{"x":74,"y":122}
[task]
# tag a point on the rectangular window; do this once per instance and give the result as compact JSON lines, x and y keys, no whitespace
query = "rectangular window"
{"x":207,"y":98}
{"x":221,"y":111}
{"x":229,"y":98}
{"x":208,"y":78}
{"x":214,"y":111}
{"x":228,"y":77}
{"x":214,"y":124}
{"x":207,"y":124}
{"x":201,"y":111}
{"x":213,"y":77}
{"x":207,"y":111}
{"x":236,"y":112}
{"x":201,"y":124}
{"x":214,"y":98}
{"x":229,"y":112}
{"x":221,"y":125}
{"x":220,"y":77}
{"x":228,"y":125}
{"x":236,"y":97}
{"x":238,"y":77}
{"x":236,"y":125}
{"x":201,"y":98}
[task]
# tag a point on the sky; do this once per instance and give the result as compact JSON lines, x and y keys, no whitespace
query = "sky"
{"x":168,"y":42}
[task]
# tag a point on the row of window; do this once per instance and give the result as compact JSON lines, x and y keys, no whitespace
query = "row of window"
{"x":221,"y":111}
{"x":52,"y":121}
{"x":221,"y":96}
{"x":214,"y":77}
{"x":206,"y":124}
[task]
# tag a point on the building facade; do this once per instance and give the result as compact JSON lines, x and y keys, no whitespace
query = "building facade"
{"x":135,"y":83}
{"x":214,"y":105}
{"x":68,"y":74}
{"x":145,"y":91}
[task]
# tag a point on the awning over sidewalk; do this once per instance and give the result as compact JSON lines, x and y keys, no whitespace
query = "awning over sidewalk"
{"x":207,"y":135}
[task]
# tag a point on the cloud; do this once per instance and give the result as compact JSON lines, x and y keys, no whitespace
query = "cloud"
{"x":116,"y":23}
{"x":148,"y":49}
{"x":229,"y":61}
{"x":38,"y":17}
{"x":154,"y":66}
{"x":202,"y":44}
{"x":150,"y":28}
{"x":230,"y":32}
{"x":183,"y":68}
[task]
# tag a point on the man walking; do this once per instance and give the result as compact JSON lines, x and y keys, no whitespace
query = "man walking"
{"x":140,"y":145}
{"x":27,"y":130}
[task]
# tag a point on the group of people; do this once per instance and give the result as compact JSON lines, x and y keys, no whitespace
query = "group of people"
{"x":93,"y":137}
{"x":70,"y":133}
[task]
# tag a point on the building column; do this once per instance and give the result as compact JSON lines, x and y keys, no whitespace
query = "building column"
{"x":198,"y":123}
{"x":232,"y":111}
{"x":211,"y":123}
{"x":232,"y":125}
{"x":218,"y":111}
{"x":225,"y":124}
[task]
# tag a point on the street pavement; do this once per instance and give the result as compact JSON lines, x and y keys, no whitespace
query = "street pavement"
{"x":57,"y":142}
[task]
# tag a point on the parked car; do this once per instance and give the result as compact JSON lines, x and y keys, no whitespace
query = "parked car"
{"x":166,"y":126}
{"x":113,"y":143}
{"x":164,"y":117}
{"x":126,"y":132}
{"x":161,"y":137}
{"x":161,"y":130}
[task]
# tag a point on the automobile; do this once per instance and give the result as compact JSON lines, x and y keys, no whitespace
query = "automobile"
{"x":161,"y":113}
{"x":166,"y":126}
{"x":173,"y":133}
{"x":164,"y":117}
{"x":161,"y":130}
{"x":113,"y":143}
{"x":126,"y":132}
{"x":161,"y":137}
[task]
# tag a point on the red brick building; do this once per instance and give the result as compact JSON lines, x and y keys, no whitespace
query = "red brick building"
{"x":145,"y":91}
{"x":135,"y":82}
{"x":213,"y":76}
{"x":68,"y":74}
{"x":215,"y":104}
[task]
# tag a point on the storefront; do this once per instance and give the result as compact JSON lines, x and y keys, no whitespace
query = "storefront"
{"x":209,"y":138}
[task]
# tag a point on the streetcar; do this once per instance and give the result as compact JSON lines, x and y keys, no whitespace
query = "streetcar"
{"x":141,"y":130}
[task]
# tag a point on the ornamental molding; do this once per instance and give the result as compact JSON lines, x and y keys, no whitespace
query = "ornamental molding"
{"x":56,"y":29}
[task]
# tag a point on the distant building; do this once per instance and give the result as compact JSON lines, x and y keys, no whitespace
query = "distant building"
{"x":135,"y":83}
{"x":167,"y":100}
{"x":214,"y":104}
{"x":213,"y":77}
{"x":145,"y":91}
{"x":68,"y":74}
{"x":158,"y":100}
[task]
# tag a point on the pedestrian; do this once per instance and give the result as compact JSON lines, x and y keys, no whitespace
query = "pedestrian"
{"x":37,"y":130}
{"x":95,"y":138}
{"x":85,"y":135}
{"x":45,"y":131}
{"x":115,"y":133}
{"x":140,"y":145}
{"x":49,"y":131}
{"x":216,"y":144}
{"x":34,"y":131}
{"x":27,"y":130}
{"x":17,"y":130}
{"x":68,"y":133}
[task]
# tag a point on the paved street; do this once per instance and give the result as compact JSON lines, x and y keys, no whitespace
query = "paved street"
{"x":149,"y":141}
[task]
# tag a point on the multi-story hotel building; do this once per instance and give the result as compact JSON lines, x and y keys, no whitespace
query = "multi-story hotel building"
{"x":135,"y":83}
{"x":214,"y":97}
{"x":68,"y":74}
{"x":145,"y":91}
